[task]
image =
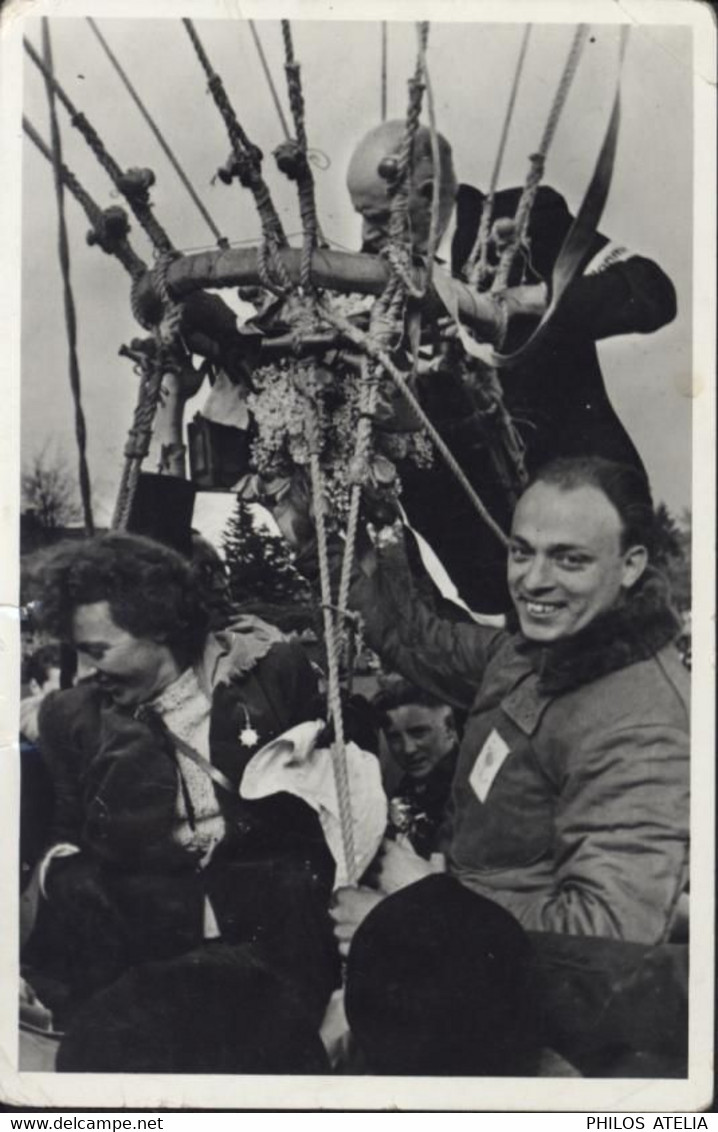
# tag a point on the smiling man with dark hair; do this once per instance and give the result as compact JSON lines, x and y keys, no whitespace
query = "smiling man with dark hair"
{"x":569,"y":806}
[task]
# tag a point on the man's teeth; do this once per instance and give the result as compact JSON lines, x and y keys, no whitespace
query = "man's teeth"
{"x":540,"y":607}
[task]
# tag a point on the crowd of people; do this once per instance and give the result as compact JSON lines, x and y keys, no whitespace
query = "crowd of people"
{"x":526,"y":911}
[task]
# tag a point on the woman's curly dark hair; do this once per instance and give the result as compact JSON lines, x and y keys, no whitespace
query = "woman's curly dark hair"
{"x":149,"y":588}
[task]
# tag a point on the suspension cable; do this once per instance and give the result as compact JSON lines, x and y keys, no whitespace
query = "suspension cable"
{"x":270,"y":80}
{"x":221,"y":240}
{"x":70,"y":314}
{"x":435,"y":159}
{"x":477,"y":267}
{"x":135,"y":194}
{"x":299,"y":169}
{"x":112,"y":238}
{"x":247,"y":155}
{"x":538,"y":160}
{"x":334,"y":704}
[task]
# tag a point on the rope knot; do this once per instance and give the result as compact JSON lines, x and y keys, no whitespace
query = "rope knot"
{"x":291,"y":159}
{"x":111,"y":228}
{"x":138,"y":444}
{"x":135,"y":184}
{"x":241,"y":165}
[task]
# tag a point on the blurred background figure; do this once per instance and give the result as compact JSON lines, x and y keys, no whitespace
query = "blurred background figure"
{"x":423,"y":741}
{"x":40,"y":675}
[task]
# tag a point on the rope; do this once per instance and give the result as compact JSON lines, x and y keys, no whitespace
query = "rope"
{"x":167,"y":339}
{"x":398,"y":250}
{"x":359,"y":471}
{"x":399,"y":219}
{"x":221,"y":240}
{"x":299,"y":169}
{"x":138,"y":442}
{"x":339,"y":759}
{"x":571,"y":257}
{"x":247,"y":155}
{"x":132,"y":187}
{"x":270,"y":80}
{"x":70,"y":315}
{"x":537,"y":160}
{"x":109,"y":228}
{"x":383,"y":322}
{"x":365,"y":343}
{"x":477,"y":268}
{"x":436,"y":163}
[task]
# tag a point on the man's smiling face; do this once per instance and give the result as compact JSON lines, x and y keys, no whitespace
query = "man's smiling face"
{"x":566,"y":560}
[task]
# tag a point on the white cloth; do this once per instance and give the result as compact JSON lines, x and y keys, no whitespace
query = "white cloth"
{"x":226,"y":403}
{"x":293,"y":763}
{"x":442,"y":580}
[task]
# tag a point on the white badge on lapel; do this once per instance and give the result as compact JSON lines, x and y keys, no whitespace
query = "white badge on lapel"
{"x":489,"y":761}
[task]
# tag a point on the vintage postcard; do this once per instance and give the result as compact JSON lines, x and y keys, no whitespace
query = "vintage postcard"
{"x":356,"y":595}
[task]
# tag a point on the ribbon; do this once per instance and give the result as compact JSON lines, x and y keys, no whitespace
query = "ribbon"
{"x":575,"y":247}
{"x":574,"y":250}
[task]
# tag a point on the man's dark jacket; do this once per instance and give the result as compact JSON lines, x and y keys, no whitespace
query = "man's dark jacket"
{"x":556,"y":396}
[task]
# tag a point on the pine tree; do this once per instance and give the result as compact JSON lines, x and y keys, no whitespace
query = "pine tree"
{"x":259,"y":564}
{"x":672,"y":553}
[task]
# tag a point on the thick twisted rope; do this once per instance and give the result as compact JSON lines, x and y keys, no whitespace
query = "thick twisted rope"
{"x":169,"y":154}
{"x":538,"y":160}
{"x":137,"y":200}
{"x":138,"y":441}
{"x":247,"y":155}
{"x":399,"y":189}
{"x":477,"y":268}
{"x":302,"y":172}
{"x":70,"y":315}
{"x":435,"y":159}
{"x":167,"y":338}
{"x":359,"y":473}
{"x":334,"y":704}
{"x":112,"y":243}
{"x":384,"y":324}
{"x":398,"y":250}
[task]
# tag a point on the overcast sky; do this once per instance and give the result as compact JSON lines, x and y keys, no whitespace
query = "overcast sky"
{"x":471,"y":65}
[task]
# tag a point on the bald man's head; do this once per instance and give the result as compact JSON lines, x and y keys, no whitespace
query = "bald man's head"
{"x":369,"y":190}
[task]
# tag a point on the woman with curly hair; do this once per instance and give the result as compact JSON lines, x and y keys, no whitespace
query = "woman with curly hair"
{"x":154,"y":856}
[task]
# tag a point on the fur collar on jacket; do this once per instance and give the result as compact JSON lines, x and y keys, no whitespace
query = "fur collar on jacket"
{"x":632,"y":631}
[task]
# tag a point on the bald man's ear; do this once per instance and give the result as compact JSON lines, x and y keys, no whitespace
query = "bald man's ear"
{"x":635,"y":561}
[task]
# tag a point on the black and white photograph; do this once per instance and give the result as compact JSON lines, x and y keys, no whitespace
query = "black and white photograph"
{"x":357,"y":605}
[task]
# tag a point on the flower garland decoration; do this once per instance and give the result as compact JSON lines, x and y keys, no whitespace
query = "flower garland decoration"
{"x":297,"y":402}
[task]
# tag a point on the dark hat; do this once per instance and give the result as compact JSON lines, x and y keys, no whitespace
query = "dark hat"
{"x":218,"y":1009}
{"x":436,"y":984}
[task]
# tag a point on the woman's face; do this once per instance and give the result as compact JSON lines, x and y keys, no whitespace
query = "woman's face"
{"x":132,"y":670}
{"x":566,"y":562}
